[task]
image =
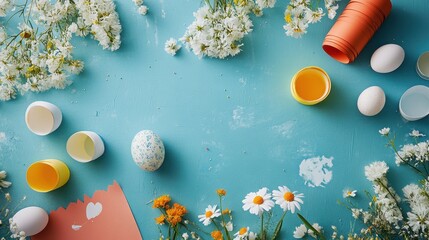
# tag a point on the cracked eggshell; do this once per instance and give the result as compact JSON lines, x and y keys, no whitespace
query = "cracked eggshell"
{"x":387,"y":58}
{"x":30,"y":220}
{"x":147,"y":150}
{"x":371,"y":101}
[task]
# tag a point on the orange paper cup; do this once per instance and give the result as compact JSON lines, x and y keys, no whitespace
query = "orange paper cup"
{"x":310,"y":85}
{"x":47,"y":175}
{"x":385,"y":6}
{"x":340,"y":50}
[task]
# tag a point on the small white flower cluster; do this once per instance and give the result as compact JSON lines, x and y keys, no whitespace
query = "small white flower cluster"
{"x":301,"y":231}
{"x":418,"y":217}
{"x":387,"y":200}
{"x":413,"y":154}
{"x":4,"y":7}
{"x":3,"y":182}
{"x":20,"y":235}
{"x":101,"y":19}
{"x":218,"y":32}
{"x":141,"y":8}
{"x":41,"y":60}
{"x":299,"y":15}
{"x":171,"y":46}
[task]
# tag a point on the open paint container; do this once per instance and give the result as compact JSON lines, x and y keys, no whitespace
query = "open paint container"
{"x":310,"y":85}
{"x":42,"y":117}
{"x":47,"y":175}
{"x":423,"y":66}
{"x":414,"y":103}
{"x":85,"y":146}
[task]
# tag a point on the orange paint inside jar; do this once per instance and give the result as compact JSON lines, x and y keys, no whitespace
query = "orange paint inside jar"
{"x":310,"y":85}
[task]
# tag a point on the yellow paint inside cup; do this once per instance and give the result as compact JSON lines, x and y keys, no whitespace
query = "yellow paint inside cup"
{"x":47,"y":175}
{"x":310,"y":85}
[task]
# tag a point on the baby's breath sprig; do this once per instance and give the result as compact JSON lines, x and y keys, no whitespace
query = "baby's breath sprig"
{"x":38,"y":56}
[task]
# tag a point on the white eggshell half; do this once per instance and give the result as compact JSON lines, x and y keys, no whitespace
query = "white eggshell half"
{"x":387,"y":58}
{"x":30,"y":220}
{"x":147,"y":150}
{"x":371,"y":101}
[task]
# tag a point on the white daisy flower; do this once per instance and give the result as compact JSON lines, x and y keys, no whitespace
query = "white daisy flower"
{"x":384,"y":131}
{"x":349,"y":193}
{"x":300,"y":231}
{"x":376,"y":170}
{"x":416,"y":133}
{"x":243,"y":233}
{"x":287,"y":199}
{"x":257,"y":203}
{"x":211,"y":212}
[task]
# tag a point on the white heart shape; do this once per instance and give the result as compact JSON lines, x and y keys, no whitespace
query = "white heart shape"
{"x":93,"y":210}
{"x":76,"y":227}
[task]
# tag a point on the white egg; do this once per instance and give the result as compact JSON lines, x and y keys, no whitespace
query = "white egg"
{"x":387,"y":58}
{"x":371,"y":101}
{"x":30,"y":220}
{"x":147,"y":150}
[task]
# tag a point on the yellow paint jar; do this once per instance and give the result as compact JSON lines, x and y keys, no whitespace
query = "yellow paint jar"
{"x":310,"y":85}
{"x":47,"y":175}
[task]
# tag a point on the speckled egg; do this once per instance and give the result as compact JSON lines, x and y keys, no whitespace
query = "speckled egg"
{"x":30,"y":220}
{"x":147,"y":150}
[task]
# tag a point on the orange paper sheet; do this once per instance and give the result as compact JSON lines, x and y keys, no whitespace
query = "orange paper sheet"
{"x":106,"y":215}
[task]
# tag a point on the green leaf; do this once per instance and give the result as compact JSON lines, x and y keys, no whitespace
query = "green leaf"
{"x":277,"y":230}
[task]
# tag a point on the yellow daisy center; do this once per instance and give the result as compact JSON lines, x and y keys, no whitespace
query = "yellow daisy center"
{"x":209,"y":214}
{"x":258,"y":200}
{"x":288,"y":196}
{"x":242,"y":231}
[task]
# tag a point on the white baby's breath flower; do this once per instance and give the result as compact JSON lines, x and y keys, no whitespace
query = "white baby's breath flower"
{"x":356,"y":212}
{"x":416,"y":133}
{"x":258,"y":202}
{"x":318,"y":229}
{"x":266,"y":3}
{"x":171,"y":46}
{"x":185,"y":236}
{"x":347,"y":193}
{"x":4,"y":7}
{"x":384,"y":131}
{"x":138,"y":2}
{"x":142,"y":10}
{"x":300,"y":231}
{"x":376,"y":170}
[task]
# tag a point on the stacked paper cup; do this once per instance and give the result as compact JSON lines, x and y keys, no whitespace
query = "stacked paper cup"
{"x":354,"y":28}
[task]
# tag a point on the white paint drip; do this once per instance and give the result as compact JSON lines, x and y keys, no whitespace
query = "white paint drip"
{"x":316,"y":171}
{"x":2,"y":137}
{"x":242,"y":81}
{"x":284,"y":129}
{"x":241,"y":118}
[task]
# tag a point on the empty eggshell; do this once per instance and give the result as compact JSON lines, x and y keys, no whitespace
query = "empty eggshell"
{"x":371,"y":101}
{"x":387,"y":58}
{"x":147,"y":150}
{"x":30,"y":220}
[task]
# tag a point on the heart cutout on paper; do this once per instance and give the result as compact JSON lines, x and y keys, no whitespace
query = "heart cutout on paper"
{"x":93,"y":210}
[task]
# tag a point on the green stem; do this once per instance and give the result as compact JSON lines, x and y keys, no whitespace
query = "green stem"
{"x":223,"y":219}
{"x":390,"y":193}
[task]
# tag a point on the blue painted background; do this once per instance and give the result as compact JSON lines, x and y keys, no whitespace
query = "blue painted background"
{"x":190,"y":103}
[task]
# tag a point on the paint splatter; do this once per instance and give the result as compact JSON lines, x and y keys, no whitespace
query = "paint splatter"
{"x":316,"y":171}
{"x":284,"y":129}
{"x":2,"y":137}
{"x":241,"y":118}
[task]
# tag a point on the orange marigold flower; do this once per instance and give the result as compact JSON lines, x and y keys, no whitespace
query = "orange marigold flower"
{"x":226,"y":211}
{"x":217,"y":235}
{"x":175,"y":213}
{"x":161,"y":202}
{"x":160,"y":220}
{"x":221,"y":192}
